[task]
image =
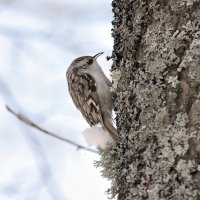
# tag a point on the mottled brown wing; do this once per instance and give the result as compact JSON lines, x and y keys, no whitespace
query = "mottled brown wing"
{"x":82,"y":88}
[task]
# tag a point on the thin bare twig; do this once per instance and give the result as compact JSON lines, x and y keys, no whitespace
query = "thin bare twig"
{"x":28,"y":122}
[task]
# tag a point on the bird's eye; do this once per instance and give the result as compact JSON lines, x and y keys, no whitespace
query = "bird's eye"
{"x":90,"y":62}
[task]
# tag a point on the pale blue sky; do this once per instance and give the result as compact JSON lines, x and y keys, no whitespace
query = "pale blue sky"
{"x":39,"y":39}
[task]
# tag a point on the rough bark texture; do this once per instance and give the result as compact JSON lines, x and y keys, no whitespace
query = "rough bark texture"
{"x":156,"y":76}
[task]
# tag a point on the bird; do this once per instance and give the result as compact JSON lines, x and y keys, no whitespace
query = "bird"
{"x":90,"y":92}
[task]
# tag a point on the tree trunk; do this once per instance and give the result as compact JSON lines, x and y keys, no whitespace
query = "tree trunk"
{"x":156,"y":76}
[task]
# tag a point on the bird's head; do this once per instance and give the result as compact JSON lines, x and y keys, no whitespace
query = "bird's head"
{"x":85,"y":62}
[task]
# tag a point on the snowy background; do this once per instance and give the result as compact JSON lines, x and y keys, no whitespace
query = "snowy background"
{"x":38,"y":41}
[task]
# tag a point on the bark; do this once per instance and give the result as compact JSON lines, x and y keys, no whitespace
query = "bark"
{"x":156,"y":78}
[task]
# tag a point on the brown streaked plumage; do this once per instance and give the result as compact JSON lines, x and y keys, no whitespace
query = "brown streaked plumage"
{"x":90,"y":92}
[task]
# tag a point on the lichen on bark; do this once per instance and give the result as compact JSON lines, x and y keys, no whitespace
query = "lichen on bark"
{"x":156,"y":75}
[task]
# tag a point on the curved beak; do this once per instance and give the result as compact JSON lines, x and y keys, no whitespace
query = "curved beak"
{"x":97,"y":55}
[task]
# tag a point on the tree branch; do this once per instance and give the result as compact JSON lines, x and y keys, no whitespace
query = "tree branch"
{"x":28,"y":122}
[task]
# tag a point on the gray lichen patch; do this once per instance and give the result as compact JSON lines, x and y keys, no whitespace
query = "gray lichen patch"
{"x":147,"y":163}
{"x":156,"y":69}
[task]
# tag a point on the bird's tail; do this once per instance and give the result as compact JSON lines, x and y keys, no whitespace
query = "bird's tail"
{"x":108,"y":125}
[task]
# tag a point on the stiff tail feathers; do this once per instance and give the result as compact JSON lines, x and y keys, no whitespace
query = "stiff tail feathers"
{"x":108,"y":125}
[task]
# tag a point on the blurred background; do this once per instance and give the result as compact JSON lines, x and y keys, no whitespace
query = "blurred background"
{"x":38,"y":41}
